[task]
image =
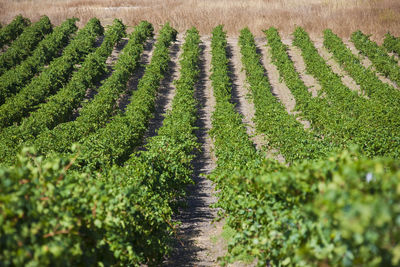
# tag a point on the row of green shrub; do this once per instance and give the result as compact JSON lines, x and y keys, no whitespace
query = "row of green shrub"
{"x":14,"y":79}
{"x":11,"y":31}
{"x":119,"y":216}
{"x":23,"y":46}
{"x":52,"y":78}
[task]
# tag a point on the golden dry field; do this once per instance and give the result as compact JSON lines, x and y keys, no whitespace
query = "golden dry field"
{"x":374,"y":17}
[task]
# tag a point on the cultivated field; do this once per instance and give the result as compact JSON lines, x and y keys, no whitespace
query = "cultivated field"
{"x":163,"y":144}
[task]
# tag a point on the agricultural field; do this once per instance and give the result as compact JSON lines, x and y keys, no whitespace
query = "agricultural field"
{"x":146,"y":141}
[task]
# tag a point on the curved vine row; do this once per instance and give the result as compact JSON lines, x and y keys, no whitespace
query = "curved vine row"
{"x":283,"y":131}
{"x":380,"y":59}
{"x":317,"y":110}
{"x":23,"y":46}
{"x":11,"y":31}
{"x":368,"y":81}
{"x":361,"y":121}
{"x":59,"y":107}
{"x":95,"y":114}
{"x":13,"y":80}
{"x":391,"y":43}
{"x":114,"y":143}
{"x":52,"y":78}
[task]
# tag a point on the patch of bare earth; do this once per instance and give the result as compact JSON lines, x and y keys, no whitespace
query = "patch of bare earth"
{"x":110,"y":62}
{"x":300,"y":66}
{"x":347,"y":80}
{"x":241,"y":93}
{"x":279,"y":88}
{"x":165,"y":93}
{"x":395,"y":56}
{"x":133,"y":82}
{"x":197,"y":243}
{"x":368,"y":64}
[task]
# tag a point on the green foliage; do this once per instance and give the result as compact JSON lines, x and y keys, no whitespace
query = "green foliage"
{"x":59,"y":107}
{"x":96,"y":113}
{"x":175,"y":142}
{"x":23,"y":46}
{"x":352,"y":119}
{"x":53,"y":216}
{"x":121,"y":216}
{"x":52,"y":78}
{"x":233,"y":147}
{"x":341,"y":211}
{"x":283,"y":131}
{"x":111,"y":205}
{"x":314,"y":109}
{"x":368,"y":81}
{"x":11,"y":31}
{"x":380,"y":59}
{"x":13,"y":80}
{"x":337,"y":210}
{"x":115,"y":142}
{"x":391,"y":43}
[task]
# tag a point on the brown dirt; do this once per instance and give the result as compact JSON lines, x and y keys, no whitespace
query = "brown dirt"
{"x":279,"y":88}
{"x":241,"y":93}
{"x":165,"y":92}
{"x":175,"y":76}
{"x":196,"y":233}
{"x":347,"y":80}
{"x":395,"y":56}
{"x":300,"y":66}
{"x":115,"y":53}
{"x":133,"y":82}
{"x":110,"y":62}
{"x":367,"y":63}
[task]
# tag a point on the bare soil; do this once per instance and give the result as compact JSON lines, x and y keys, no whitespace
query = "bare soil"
{"x":197,"y":243}
{"x":300,"y":67}
{"x":368,"y":64}
{"x":395,"y":56}
{"x":133,"y":82}
{"x":279,"y":88}
{"x":347,"y":80}
{"x":241,"y":95}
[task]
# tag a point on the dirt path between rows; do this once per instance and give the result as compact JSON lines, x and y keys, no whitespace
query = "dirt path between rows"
{"x":367,"y":63}
{"x":197,"y":242}
{"x":200,"y":239}
{"x":168,"y":82}
{"x":279,"y":88}
{"x":241,"y":94}
{"x":347,"y":80}
{"x":166,"y":91}
{"x":300,"y":66}
{"x":133,"y":82}
{"x":395,"y":56}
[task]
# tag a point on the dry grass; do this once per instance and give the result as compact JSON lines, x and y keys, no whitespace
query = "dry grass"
{"x":374,"y":17}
